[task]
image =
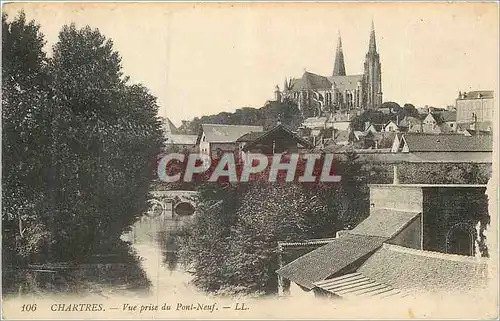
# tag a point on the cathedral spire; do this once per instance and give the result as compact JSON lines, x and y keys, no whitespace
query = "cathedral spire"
{"x":339,"y":67}
{"x":373,"y":44}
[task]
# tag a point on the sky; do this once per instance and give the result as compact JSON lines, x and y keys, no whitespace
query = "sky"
{"x":204,"y":58}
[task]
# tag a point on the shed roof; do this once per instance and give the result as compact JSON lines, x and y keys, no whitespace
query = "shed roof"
{"x":384,"y":223}
{"x":329,"y":259}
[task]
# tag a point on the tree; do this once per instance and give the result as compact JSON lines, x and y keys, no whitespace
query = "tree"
{"x":267,"y":116}
{"x":108,"y":137}
{"x":232,"y":243}
{"x":79,"y":144}
{"x":410,"y":110}
{"x":25,"y":138}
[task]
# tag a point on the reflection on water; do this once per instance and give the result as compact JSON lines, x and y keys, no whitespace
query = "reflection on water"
{"x":144,"y":261}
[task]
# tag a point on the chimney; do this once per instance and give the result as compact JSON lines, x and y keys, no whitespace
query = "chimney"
{"x":395,"y":179}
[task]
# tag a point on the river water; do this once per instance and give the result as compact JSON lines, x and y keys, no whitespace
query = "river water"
{"x":145,"y":263}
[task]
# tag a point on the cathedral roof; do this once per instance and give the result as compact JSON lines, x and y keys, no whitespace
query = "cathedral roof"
{"x":311,"y":81}
{"x":349,"y":82}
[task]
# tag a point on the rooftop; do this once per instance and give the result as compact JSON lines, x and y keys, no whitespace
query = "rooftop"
{"x":477,"y":94}
{"x":384,"y":223}
{"x":418,"y":142}
{"x":182,"y":139}
{"x":216,"y":133}
{"x":329,"y":259}
{"x":417,"y":270}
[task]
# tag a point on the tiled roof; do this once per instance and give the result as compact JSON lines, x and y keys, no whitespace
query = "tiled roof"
{"x":341,"y":135}
{"x":408,"y":120}
{"x":447,"y":116}
{"x":216,"y":133}
{"x":418,"y":142}
{"x":329,"y":259}
{"x":349,"y":82}
{"x":416,"y":270}
{"x":478,"y":94}
{"x":357,"y":285}
{"x":182,"y":139}
{"x":280,"y":127}
{"x":384,"y":223}
{"x":250,"y":136}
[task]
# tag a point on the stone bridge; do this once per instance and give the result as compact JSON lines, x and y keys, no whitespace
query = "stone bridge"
{"x":173,"y":202}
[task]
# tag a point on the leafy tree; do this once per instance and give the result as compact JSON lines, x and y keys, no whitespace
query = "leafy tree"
{"x":410,"y":110}
{"x":79,"y":144}
{"x":25,"y":135}
{"x":232,"y":244}
{"x":108,"y":136}
{"x":393,"y":106}
{"x":267,"y":116}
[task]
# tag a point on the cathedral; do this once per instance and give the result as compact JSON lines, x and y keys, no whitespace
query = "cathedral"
{"x":338,"y":92}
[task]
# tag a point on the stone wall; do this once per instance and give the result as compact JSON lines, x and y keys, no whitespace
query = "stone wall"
{"x":398,"y":197}
{"x":411,"y":236}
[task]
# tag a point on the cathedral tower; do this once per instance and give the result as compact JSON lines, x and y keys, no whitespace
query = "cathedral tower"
{"x":372,"y":77}
{"x":339,"y":67}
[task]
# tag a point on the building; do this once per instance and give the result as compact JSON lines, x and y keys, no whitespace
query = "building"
{"x":475,"y":107}
{"x":175,"y":141}
{"x":391,"y":126}
{"x":178,"y":143}
{"x":417,"y":239}
{"x":411,"y":124}
{"x":450,"y":147}
{"x":215,"y":139}
{"x":277,"y":140}
{"x":439,"y":122}
{"x":339,"y":92}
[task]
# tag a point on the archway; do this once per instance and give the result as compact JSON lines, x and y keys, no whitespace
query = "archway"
{"x":460,"y":239}
{"x":156,"y":208}
{"x":184,"y":209}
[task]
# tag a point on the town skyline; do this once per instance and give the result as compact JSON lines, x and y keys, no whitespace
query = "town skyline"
{"x":244,"y":50}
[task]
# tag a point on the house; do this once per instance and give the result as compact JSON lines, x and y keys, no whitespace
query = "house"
{"x":374,"y":128}
{"x":177,"y":142}
{"x":411,"y":124}
{"x":215,"y":139}
{"x":277,"y":140}
{"x":449,"y":118}
{"x":475,"y":106}
{"x":439,"y":122}
{"x":418,"y":238}
{"x":391,"y":126}
{"x":340,"y":121}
